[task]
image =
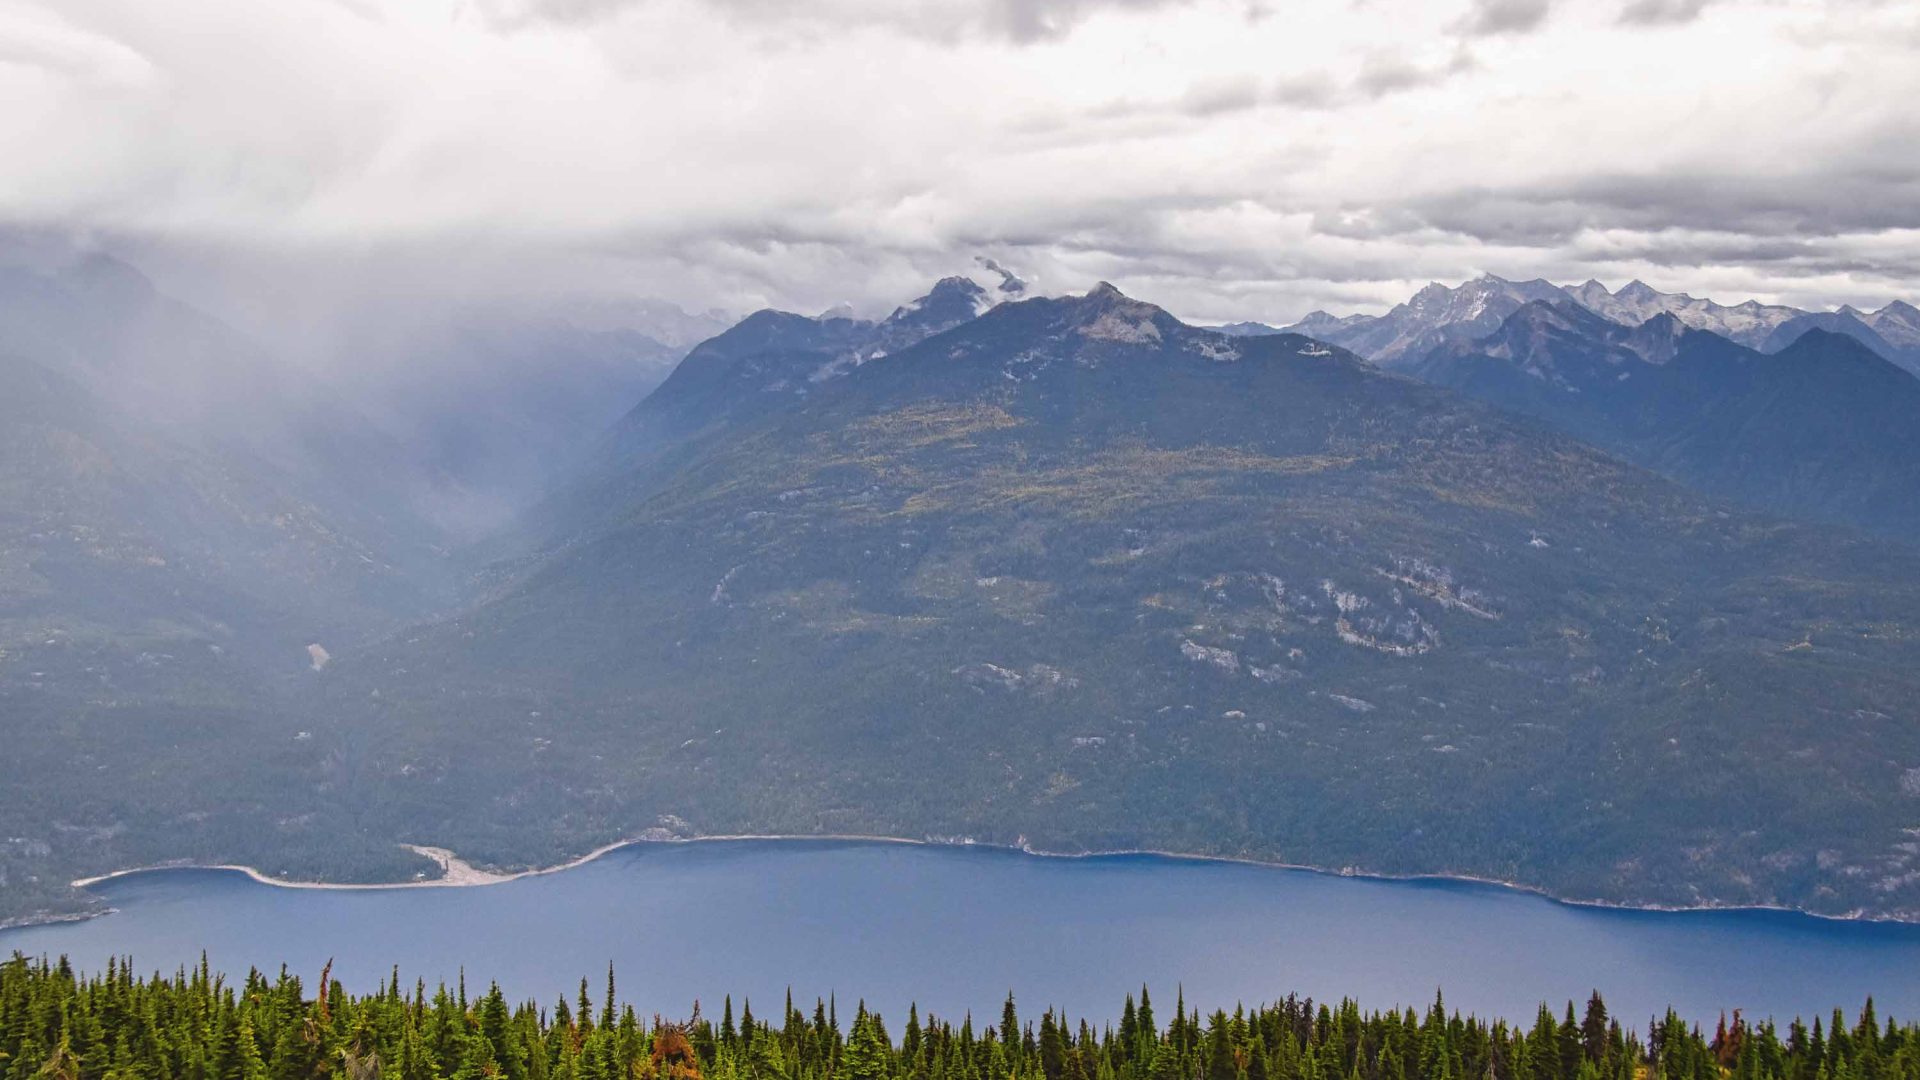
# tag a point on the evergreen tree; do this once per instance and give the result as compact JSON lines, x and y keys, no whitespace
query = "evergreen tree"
{"x":867,"y":1056}
{"x":56,"y":1024}
{"x":1052,"y":1048}
{"x":1166,"y":1063}
{"x":1593,"y":1029}
{"x":1221,"y":1061}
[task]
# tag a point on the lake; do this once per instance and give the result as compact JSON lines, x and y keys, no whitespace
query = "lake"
{"x":957,"y":927}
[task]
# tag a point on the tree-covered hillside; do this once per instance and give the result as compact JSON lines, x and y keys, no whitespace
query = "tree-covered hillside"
{"x":1075,"y":574}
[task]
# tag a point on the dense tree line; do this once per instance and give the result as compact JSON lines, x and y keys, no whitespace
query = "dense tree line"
{"x":59,"y":1024}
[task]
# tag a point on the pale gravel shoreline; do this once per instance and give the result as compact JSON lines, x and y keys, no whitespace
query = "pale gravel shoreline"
{"x":457,"y":873}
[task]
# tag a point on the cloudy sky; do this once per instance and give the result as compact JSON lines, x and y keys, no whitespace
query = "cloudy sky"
{"x":1227,"y":158}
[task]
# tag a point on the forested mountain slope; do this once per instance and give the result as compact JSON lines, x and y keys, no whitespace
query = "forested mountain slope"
{"x":1077,"y":575}
{"x":155,"y":596}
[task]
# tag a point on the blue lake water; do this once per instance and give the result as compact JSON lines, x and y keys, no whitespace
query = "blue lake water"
{"x":956,"y":928}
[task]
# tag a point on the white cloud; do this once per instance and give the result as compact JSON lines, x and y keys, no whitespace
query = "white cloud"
{"x":1229,"y":160}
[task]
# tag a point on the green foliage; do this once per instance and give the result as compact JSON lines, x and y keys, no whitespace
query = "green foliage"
{"x":59,"y":1025}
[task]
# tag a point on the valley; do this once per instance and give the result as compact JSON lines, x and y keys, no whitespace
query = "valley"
{"x":963,"y":540}
{"x":1069,"y":573}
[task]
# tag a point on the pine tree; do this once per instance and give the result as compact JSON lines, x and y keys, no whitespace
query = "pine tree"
{"x":1052,"y":1048}
{"x":867,"y":1055}
{"x":1221,"y":1063}
{"x":1166,"y":1063}
{"x":476,"y":1059}
{"x":59,"y":1025}
{"x":1593,"y":1029}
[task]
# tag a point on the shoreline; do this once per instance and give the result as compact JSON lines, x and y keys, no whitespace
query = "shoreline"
{"x":457,"y":873}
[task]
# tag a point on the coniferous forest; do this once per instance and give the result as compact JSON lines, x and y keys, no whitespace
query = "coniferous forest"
{"x":60,"y":1024}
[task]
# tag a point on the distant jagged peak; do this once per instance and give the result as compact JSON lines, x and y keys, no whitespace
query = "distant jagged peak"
{"x":953,"y":298}
{"x":1322,"y":317}
{"x":776,"y":320}
{"x":952,"y":301}
{"x":1559,"y":343}
{"x":1538,"y":286}
{"x":1484,"y":300}
{"x":1555,"y":312}
{"x":1087,"y":327}
{"x":1553,"y":337}
{"x":838,"y":329}
{"x":1107,"y":314}
{"x":1259,"y":329}
{"x":775,"y":353}
{"x":1834,"y":348}
{"x":1748,"y":322}
{"x":1474,"y":293}
{"x":1898,"y":322}
{"x":1640,"y":290}
{"x":1657,"y":340}
{"x":1537,"y":320}
{"x":1819,"y":338}
{"x":1665,"y":322}
{"x":1438,"y":313}
{"x":1652,"y":337}
{"x":1864,"y":329}
{"x":1105,"y":296}
{"x":957,"y":284}
{"x":1560,"y":310}
{"x":1431,"y":295}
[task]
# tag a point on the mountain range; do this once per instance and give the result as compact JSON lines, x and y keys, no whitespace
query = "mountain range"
{"x":1058,"y":572}
{"x":1439,"y":315}
{"x":1824,"y":429}
{"x":1076,"y":575}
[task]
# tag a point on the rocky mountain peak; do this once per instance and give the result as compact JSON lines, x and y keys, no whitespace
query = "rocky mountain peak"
{"x":1107,"y":314}
{"x":1432,"y":296}
{"x":951,"y":301}
{"x":954,"y":284}
{"x":1665,"y":324}
{"x":1657,"y":340}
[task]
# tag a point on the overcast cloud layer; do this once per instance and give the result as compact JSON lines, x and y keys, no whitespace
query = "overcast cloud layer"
{"x":1229,"y":159}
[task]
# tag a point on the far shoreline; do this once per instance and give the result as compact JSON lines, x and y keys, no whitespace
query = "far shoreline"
{"x":456,"y":873}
